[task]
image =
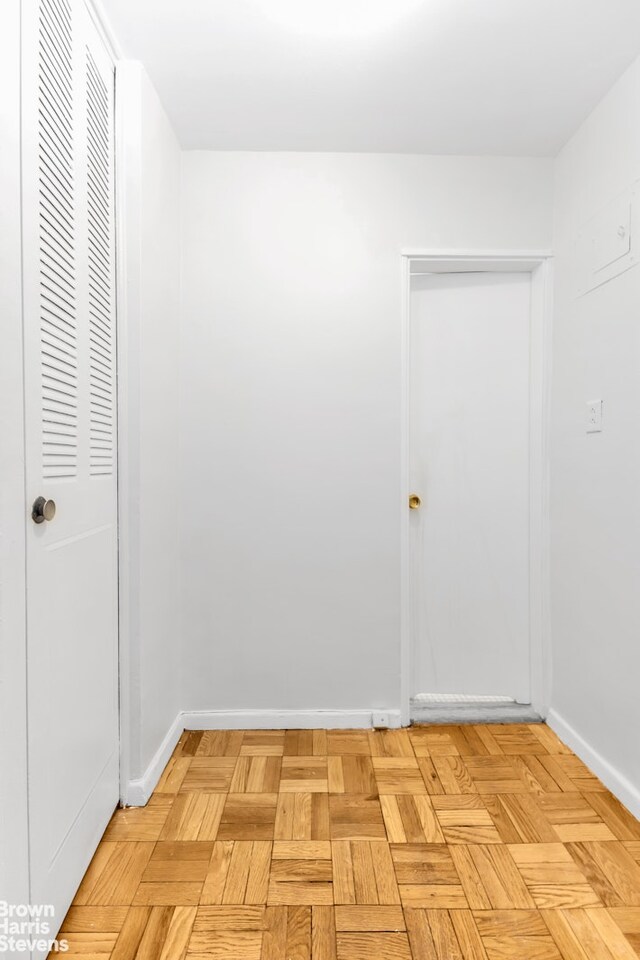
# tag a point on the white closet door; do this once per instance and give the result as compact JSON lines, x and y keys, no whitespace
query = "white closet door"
{"x":470,"y":455}
{"x":68,"y":230}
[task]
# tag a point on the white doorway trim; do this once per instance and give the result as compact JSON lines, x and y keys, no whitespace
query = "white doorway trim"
{"x":127,"y":203}
{"x":538,"y":264}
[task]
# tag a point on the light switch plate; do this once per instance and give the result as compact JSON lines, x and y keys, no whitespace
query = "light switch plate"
{"x":594,"y":416}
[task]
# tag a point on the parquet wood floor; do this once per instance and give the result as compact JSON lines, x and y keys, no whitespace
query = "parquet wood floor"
{"x":434,"y":843}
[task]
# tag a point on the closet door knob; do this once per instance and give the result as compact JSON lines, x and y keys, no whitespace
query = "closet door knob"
{"x":43,"y":510}
{"x":414,"y":501}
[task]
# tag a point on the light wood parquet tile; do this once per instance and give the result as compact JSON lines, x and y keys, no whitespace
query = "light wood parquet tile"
{"x":178,"y":861}
{"x":501,"y":880}
{"x":485,"y":732}
{"x":140,"y":823}
{"x":518,"y":739}
{"x":465,"y":819}
{"x":132,"y":932}
{"x":432,"y":742}
{"x":341,"y":743}
{"x":475,"y":893}
{"x":302,"y":816}
{"x":612,"y":871}
{"x":114,"y":874}
{"x":390,"y":743}
{"x":178,"y":935}
{"x":209,"y":774}
{"x":248,"y":816}
{"x":364,"y":946}
{"x":582,"y":779}
{"x":263,"y":743}
{"x":323,"y":933}
{"x":411,"y":819}
{"x":495,"y":775}
{"x":168,"y":893}
{"x":301,"y":874}
{"x":509,"y":934}
{"x":466,"y":740}
{"x":352,"y":774}
{"x":92,"y":930}
{"x":529,"y":821}
{"x":633,"y":849}
{"x":550,"y":740}
{"x":552,"y":876}
{"x":156,"y":931}
{"x":305,"y":743}
{"x":427,"y":876}
{"x":430,"y":776}
{"x":237,"y":873}
{"x":363,"y":873}
{"x":395,"y":775}
{"x":194,"y":816}
{"x":188,"y":743}
{"x":222,"y":743}
{"x":356,"y":817}
{"x":627,"y":919}
{"x":304,"y":775}
{"x":432,"y":935}
{"x":618,"y":819}
{"x":367,"y":919}
{"x":256,"y":774}
{"x":482,"y":842}
{"x":289,"y":933}
{"x":454,"y":775}
{"x":173,"y":776}
{"x":577,"y":937}
{"x":466,"y":931}
{"x":95,"y":919}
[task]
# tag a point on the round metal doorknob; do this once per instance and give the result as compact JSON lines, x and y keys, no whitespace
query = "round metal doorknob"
{"x":43,"y":510}
{"x":414,"y":501}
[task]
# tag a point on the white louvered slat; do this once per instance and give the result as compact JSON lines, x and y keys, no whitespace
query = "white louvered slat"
{"x":100,"y":267}
{"x":57,"y":237}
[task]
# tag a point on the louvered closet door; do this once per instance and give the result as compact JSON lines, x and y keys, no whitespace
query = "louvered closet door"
{"x":68,"y":213}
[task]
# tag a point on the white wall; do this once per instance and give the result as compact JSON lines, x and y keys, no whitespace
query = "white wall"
{"x":290,"y":490}
{"x":149,"y":345}
{"x":595,"y":479}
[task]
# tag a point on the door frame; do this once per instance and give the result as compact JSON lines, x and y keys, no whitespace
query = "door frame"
{"x":538,"y":263}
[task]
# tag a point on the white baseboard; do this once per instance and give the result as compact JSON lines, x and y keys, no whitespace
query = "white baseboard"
{"x":626,"y":792}
{"x":137,"y":792}
{"x":282,"y":719}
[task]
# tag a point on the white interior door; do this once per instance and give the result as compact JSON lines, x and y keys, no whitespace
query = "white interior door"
{"x":470,"y":448}
{"x":68,"y":251}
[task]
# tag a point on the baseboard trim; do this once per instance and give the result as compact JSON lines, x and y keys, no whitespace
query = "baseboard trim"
{"x":282,"y":719}
{"x":137,"y":792}
{"x":613,"y":779}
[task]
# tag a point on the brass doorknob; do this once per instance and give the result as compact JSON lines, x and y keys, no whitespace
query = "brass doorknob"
{"x":43,"y":510}
{"x":414,"y":501}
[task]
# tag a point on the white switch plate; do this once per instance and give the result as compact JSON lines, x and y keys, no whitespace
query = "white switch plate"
{"x":380,"y":720}
{"x":594,"y":416}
